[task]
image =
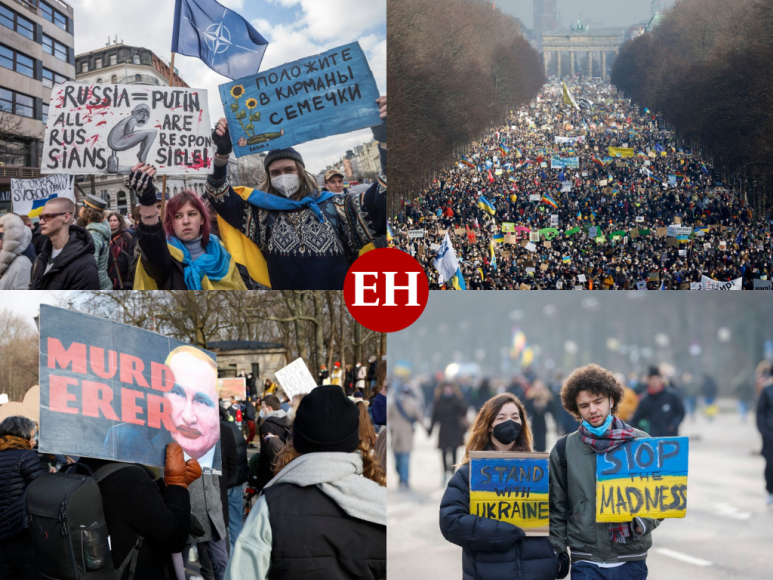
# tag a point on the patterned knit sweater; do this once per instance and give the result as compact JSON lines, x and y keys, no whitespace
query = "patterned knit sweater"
{"x":302,"y":253}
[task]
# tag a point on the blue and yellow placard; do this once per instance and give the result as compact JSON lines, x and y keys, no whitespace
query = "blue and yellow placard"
{"x":645,"y":478}
{"x":326,"y":94}
{"x":511,"y":487}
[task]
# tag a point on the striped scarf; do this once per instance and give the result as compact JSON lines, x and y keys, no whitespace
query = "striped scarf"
{"x":619,"y":432}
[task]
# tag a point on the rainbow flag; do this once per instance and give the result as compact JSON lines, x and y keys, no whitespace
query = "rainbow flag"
{"x":467,"y":162}
{"x":703,"y":168}
{"x":653,"y":178}
{"x":597,"y":161}
{"x":390,"y":235}
{"x":680,"y":175}
{"x":546,"y":199}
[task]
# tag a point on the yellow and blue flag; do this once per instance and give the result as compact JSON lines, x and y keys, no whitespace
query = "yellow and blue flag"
{"x":486,"y":205}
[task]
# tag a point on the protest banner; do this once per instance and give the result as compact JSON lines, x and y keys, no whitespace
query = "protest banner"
{"x":620,"y":152}
{"x":232,"y":387}
{"x":763,"y":284}
{"x":508,"y":227}
{"x":709,"y":284}
{"x":642,"y":478}
{"x":696,"y":286}
{"x":107,"y":129}
{"x":535,"y":197}
{"x":321,"y":95}
{"x":460,"y":231}
{"x":28,"y":196}
{"x":677,"y":230}
{"x":112,"y":391}
{"x":511,"y":487}
{"x":415,"y":234}
{"x":661,"y":232}
{"x":295,"y":378}
{"x":566,"y":186}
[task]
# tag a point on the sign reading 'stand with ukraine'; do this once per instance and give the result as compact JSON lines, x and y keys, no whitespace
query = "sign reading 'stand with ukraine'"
{"x":326,"y":94}
{"x":511,"y":487}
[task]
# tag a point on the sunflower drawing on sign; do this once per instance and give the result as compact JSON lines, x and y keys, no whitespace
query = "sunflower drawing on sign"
{"x":237,"y":92}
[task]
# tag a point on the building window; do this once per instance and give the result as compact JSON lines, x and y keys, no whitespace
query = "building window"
{"x":50,"y":78}
{"x":16,"y":103}
{"x":98,"y":63}
{"x":53,"y":16}
{"x":45,"y":114}
{"x":113,"y":59}
{"x":84,"y":67}
{"x":13,"y":60}
{"x":138,"y":78}
{"x":136,"y":59}
{"x":114,"y":79}
{"x":58,"y":49}
{"x":10,"y":19}
{"x":99,"y":80}
{"x":120,"y":203}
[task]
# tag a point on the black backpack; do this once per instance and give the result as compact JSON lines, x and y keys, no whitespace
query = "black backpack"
{"x":68,"y":529}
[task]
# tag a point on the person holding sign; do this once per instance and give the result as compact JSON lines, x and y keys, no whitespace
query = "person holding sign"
{"x":181,"y":253}
{"x":494,"y":548}
{"x":288,"y":234}
{"x":592,"y":395}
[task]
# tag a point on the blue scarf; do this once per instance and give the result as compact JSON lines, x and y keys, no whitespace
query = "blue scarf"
{"x":274,"y":202}
{"x":214,"y":264}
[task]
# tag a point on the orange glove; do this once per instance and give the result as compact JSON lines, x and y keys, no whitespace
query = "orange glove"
{"x":192,"y":471}
{"x":175,"y":467}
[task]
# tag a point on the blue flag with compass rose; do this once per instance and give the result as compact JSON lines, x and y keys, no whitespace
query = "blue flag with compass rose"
{"x":225,"y":41}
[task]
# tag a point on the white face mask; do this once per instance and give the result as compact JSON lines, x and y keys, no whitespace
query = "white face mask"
{"x":287,"y":184}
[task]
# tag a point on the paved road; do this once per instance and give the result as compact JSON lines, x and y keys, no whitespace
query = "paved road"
{"x":727,"y":534}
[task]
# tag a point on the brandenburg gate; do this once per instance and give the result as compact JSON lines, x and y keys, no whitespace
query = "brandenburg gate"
{"x":584,"y":50}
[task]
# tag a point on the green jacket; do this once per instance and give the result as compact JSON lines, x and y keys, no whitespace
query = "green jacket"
{"x":587,"y":539}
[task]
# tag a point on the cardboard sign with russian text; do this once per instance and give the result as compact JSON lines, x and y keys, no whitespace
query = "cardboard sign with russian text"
{"x":112,"y":391}
{"x":645,"y":478}
{"x":321,"y":95}
{"x":511,"y":487}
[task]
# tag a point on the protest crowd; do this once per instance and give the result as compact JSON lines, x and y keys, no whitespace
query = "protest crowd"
{"x":594,"y":411}
{"x":301,"y":494}
{"x":581,"y":189}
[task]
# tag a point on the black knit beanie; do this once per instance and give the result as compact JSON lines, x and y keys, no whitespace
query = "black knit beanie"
{"x":286,"y":153}
{"x":326,"y":421}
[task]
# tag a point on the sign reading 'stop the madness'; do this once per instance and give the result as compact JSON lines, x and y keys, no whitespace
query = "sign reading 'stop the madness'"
{"x":107,"y":129}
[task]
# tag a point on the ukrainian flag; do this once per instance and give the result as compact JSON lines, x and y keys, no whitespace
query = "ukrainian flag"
{"x":566,"y":259}
{"x":486,"y":205}
{"x":493,"y":256}
{"x":458,"y":281}
{"x":37,"y":205}
{"x":499,"y":238}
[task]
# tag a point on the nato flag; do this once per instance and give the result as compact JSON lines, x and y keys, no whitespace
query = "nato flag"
{"x":220,"y":37}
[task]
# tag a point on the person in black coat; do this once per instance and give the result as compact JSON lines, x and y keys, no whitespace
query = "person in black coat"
{"x":74,"y":267}
{"x":450,"y":412}
{"x":273,"y":434}
{"x":661,"y":407}
{"x":237,"y":476}
{"x":19,"y":466}
{"x":493,"y":549}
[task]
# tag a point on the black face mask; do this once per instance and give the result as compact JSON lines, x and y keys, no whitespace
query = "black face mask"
{"x":507,"y":432}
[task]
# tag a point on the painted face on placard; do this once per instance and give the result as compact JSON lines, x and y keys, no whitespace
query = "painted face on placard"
{"x":193,"y":402}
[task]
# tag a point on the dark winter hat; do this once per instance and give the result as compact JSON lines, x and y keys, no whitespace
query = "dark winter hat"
{"x":286,"y":153}
{"x":654,"y":372}
{"x":326,"y":421}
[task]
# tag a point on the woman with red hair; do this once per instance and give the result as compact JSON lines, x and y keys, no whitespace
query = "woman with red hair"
{"x":182,"y":253}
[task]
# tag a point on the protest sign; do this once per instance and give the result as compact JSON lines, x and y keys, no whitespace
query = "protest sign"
{"x":460,"y":231}
{"x":709,"y":284}
{"x":295,"y":378}
{"x":415,"y":233}
{"x":434,"y":247}
{"x":511,"y":239}
{"x":534,"y":236}
{"x":508,"y":227}
{"x":661,"y":232}
{"x":696,"y":286}
{"x":523,"y":287}
{"x":678,"y":220}
{"x":511,"y":487}
{"x":107,"y":129}
{"x":554,"y":220}
{"x":535,"y":197}
{"x":603,"y":182}
{"x":581,"y":278}
{"x":326,"y":94}
{"x":683,"y":252}
{"x":763,"y":284}
{"x":231,"y":387}
{"x":723,"y":246}
{"x":676,"y":230}
{"x":642,"y":478}
{"x":112,"y":391}
{"x":28,"y":196}
{"x":640,"y":219}
{"x":531,"y":247}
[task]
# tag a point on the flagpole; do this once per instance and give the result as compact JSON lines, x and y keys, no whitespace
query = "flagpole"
{"x":163,"y":185}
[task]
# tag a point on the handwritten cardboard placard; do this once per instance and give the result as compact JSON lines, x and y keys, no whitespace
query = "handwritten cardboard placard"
{"x":511,"y":487}
{"x":321,"y":95}
{"x":231,"y":387}
{"x":107,"y":129}
{"x":645,"y":478}
{"x":295,"y":378}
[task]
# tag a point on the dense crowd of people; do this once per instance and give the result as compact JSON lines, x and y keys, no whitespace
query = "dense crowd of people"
{"x":310,"y":502}
{"x":290,"y":234}
{"x":543,"y":203}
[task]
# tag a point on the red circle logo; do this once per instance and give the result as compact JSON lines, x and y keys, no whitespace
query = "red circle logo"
{"x":386,"y":290}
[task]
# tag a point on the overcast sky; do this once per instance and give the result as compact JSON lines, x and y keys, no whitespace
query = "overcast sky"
{"x":612,"y":12}
{"x":294,"y":29}
{"x":27,"y":304}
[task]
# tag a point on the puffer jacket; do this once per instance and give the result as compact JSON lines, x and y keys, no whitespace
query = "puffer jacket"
{"x":100,"y":233}
{"x":73,"y":269}
{"x":18,"y":467}
{"x":492,"y":550}
{"x":14,"y":265}
{"x":588,"y":539}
